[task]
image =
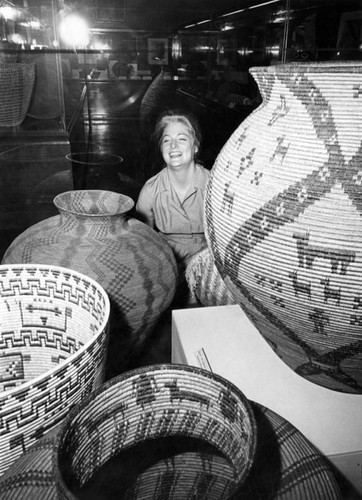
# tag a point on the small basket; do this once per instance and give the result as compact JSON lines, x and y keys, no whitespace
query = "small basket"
{"x":205,"y":282}
{"x":207,"y":422}
{"x":53,"y":334}
{"x":16,"y":86}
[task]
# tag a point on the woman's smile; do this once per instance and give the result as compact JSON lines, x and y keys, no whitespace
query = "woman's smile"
{"x":177,"y":144}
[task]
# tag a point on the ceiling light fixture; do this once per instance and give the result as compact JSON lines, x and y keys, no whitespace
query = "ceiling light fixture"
{"x":249,"y":8}
{"x":203,"y":22}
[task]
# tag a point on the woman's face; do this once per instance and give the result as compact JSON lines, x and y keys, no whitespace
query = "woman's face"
{"x":177,"y":145}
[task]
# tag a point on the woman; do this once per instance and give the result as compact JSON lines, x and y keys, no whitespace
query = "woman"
{"x":172,"y":201}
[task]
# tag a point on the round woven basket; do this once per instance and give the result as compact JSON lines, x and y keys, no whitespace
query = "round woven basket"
{"x":16,"y":86}
{"x":95,"y":234}
{"x":284,"y":218}
{"x":207,"y":422}
{"x":54,"y":329}
{"x":286,"y":466}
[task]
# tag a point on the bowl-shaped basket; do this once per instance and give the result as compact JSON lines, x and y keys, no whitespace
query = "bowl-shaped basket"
{"x":16,"y":86}
{"x":53,"y":338}
{"x":190,"y":433}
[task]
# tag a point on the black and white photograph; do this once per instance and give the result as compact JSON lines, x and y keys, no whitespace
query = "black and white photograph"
{"x":180,"y":249}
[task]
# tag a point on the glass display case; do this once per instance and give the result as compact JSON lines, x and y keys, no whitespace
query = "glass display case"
{"x":56,"y":77}
{"x":33,"y":136}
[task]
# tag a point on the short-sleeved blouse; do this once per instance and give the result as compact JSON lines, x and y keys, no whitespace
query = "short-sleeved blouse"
{"x":178,"y":221}
{"x":159,"y":201}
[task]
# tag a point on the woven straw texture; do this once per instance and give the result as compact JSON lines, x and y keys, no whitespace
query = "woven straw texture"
{"x":132,"y":262}
{"x":283,"y":218}
{"x":52,"y":344}
{"x":205,"y":283}
{"x":16,"y":86}
{"x":286,"y":466}
{"x":45,"y":101}
{"x":159,"y":95}
{"x":161,"y":401}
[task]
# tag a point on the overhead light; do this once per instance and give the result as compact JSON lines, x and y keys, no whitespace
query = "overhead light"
{"x":7,"y":12}
{"x":227,"y":27}
{"x":74,"y":31}
{"x":203,"y":22}
{"x":249,"y":8}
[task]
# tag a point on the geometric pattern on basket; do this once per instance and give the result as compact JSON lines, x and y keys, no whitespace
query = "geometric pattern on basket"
{"x":205,"y":283}
{"x":11,"y":367}
{"x":280,"y":223}
{"x":93,"y":235}
{"x":160,"y":401}
{"x":52,"y":347}
{"x":286,"y":466}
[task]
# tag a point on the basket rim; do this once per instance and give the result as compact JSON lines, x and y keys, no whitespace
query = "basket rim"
{"x":17,"y":65}
{"x":159,"y":367}
{"x":149,"y":369}
{"x":8,"y":393}
{"x":125,"y":206}
{"x":324,"y":67}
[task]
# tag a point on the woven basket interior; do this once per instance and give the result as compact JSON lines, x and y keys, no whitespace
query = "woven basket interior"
{"x":170,"y":401}
{"x":52,"y":348}
{"x":45,"y":318}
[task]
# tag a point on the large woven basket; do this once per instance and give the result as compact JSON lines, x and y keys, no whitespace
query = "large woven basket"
{"x":283,"y":218}
{"x":52,"y":343}
{"x":286,"y":466}
{"x":206,"y":421}
{"x":16,"y":86}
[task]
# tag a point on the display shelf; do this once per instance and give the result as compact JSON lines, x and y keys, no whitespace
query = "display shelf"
{"x":223,"y":340}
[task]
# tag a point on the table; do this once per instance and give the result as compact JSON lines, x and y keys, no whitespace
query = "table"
{"x":222,"y":339}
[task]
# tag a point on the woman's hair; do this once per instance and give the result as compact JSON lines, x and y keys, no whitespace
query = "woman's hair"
{"x":181,"y":116}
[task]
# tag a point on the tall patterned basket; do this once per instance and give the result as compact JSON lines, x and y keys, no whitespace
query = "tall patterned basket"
{"x":52,"y":345}
{"x":207,"y":423}
{"x":94,"y":234}
{"x":16,"y":86}
{"x":284,"y":218}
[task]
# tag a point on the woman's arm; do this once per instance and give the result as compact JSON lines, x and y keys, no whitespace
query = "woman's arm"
{"x":144,"y":207}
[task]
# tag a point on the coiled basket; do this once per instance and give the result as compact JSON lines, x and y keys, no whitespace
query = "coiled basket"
{"x":53,"y":334}
{"x":16,"y":86}
{"x":195,"y":432}
{"x":284,"y":218}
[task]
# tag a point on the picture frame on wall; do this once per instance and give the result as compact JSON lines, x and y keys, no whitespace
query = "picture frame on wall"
{"x":157,"y":50}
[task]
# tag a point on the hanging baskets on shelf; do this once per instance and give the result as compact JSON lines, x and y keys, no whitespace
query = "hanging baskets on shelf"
{"x":16,"y":86}
{"x":54,"y":328}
